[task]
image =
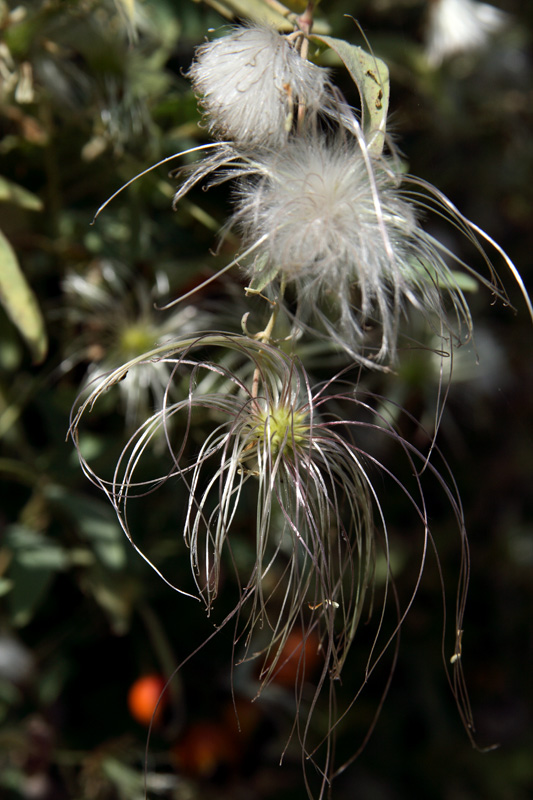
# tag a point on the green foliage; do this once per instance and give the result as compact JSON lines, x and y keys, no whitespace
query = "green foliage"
{"x":20,"y":302}
{"x":371,"y":76}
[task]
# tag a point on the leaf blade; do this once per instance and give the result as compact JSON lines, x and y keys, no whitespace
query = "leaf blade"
{"x":19,"y":196}
{"x":371,"y":76}
{"x":20,"y":302}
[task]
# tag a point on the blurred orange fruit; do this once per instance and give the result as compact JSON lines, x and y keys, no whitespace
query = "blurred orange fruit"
{"x":145,"y":701}
{"x":298,"y":659}
{"x":206,"y":747}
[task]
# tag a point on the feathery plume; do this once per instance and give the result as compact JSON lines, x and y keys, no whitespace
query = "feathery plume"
{"x":339,"y":227}
{"x":251,"y":82}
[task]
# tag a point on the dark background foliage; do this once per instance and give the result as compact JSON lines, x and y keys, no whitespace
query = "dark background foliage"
{"x":88,"y":100}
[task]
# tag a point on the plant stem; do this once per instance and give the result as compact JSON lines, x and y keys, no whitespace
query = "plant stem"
{"x":266,"y":335}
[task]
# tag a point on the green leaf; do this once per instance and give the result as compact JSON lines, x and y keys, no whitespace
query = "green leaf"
{"x":262,"y":276}
{"x":96,"y":523}
{"x":464,"y":281}
{"x":371,"y":76}
{"x":130,"y":782}
{"x":12,"y":193}
{"x":5,"y":586}
{"x":32,"y":550}
{"x":36,"y":560}
{"x":20,"y":302}
{"x":453,"y":280}
{"x":250,"y":9}
{"x":29,"y":588}
{"x":258,"y":11}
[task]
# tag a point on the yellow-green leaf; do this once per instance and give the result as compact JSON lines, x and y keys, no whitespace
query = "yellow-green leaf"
{"x":371,"y":76}
{"x":20,"y":302}
{"x":12,"y":193}
{"x":128,"y":6}
{"x":263,"y":275}
{"x":275,"y":13}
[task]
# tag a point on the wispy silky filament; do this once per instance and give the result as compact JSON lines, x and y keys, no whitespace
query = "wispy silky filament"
{"x":284,"y":448}
{"x":314,"y":504}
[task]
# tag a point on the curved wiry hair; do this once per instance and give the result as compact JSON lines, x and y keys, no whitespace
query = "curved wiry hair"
{"x":291,"y":457}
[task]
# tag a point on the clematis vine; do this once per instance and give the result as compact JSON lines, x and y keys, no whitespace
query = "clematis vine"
{"x":260,"y":455}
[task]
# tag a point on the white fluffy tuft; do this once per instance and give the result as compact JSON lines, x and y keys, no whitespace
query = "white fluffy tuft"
{"x":336,"y":226}
{"x":251,"y":81}
{"x":460,"y":26}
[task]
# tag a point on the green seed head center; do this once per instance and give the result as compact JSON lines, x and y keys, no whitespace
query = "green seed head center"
{"x":135,"y":339}
{"x":282,"y":427}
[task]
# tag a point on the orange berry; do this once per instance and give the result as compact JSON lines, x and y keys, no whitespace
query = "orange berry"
{"x":298,"y":659}
{"x":143,"y":698}
{"x":205,"y":747}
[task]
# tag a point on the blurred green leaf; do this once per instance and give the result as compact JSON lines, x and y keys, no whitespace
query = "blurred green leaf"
{"x":128,"y":781}
{"x":20,"y":302}
{"x":456,"y":279}
{"x":12,"y":778}
{"x":29,"y":588}
{"x":96,"y":522}
{"x":258,"y":11}
{"x":12,"y":193}
{"x":35,"y":561}
{"x":5,"y":586}
{"x":106,"y":538}
{"x":128,"y":6}
{"x":254,"y":10}
{"x":32,"y":550}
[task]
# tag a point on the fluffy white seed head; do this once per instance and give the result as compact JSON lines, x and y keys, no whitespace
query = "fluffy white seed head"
{"x":459,"y":26}
{"x":321,"y":209}
{"x":336,"y":226}
{"x":251,"y":83}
